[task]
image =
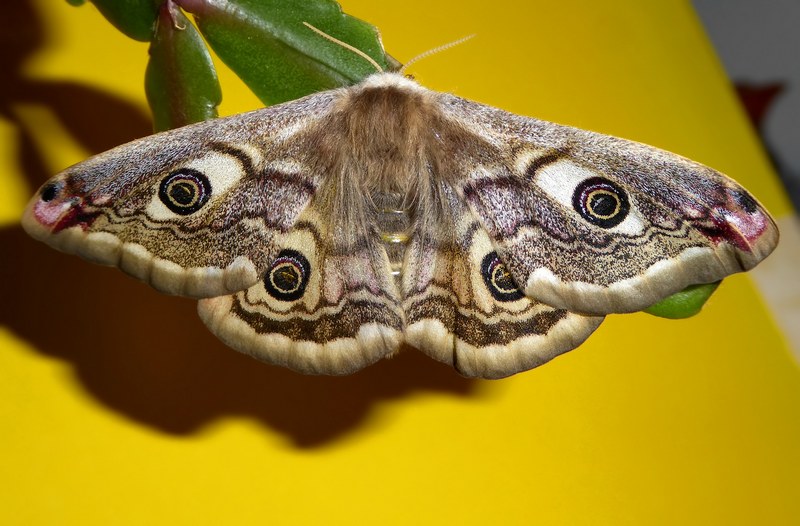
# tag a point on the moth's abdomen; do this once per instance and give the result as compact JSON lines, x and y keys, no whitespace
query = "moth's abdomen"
{"x":393,"y":223}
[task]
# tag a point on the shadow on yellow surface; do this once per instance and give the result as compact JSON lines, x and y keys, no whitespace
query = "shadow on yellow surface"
{"x":149,"y":357}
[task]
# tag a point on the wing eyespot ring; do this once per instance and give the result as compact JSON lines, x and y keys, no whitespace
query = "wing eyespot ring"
{"x":601,"y":202}
{"x":287,"y":277}
{"x":498,"y":279}
{"x":185,"y":191}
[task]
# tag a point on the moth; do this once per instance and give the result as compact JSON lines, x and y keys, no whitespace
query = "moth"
{"x":325,"y":233}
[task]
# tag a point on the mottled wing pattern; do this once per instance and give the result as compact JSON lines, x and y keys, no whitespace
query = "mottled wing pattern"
{"x":319,"y":309}
{"x":191,"y":211}
{"x":596,"y":224}
{"x":524,"y":233}
{"x":464,"y":309}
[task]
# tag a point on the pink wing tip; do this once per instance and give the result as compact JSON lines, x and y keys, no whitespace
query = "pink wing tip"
{"x":57,"y":210}
{"x":740,"y":221}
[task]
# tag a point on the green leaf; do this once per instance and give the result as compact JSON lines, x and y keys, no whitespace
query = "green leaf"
{"x":266,"y":44}
{"x":180,"y":81}
{"x":135,"y":18}
{"x":685,"y":303}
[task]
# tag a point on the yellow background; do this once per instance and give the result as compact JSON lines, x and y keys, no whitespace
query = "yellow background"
{"x":118,"y":407}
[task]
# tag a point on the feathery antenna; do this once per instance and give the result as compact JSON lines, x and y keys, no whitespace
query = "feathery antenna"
{"x":434,"y":51}
{"x":374,"y":64}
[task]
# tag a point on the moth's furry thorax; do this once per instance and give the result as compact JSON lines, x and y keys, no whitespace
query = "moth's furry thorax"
{"x":389,"y":126}
{"x":383,"y":141}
